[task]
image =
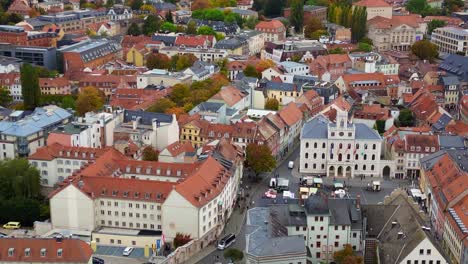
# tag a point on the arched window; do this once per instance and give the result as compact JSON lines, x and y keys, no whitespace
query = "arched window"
{"x":324,"y":145}
{"x":307,"y":155}
{"x":373,"y":156}
{"x":374,"y":146}
{"x":372,"y":167}
{"x":357,"y":157}
{"x":363,"y":167}
{"x":307,"y":144}
{"x":314,"y":166}
{"x":365,"y":156}
{"x":340,"y":157}
{"x":357,"y":146}
{"x":365,"y":146}
{"x":341,"y":146}
{"x":323,"y":155}
{"x":348,"y":157}
{"x":332,"y":145}
{"x":356,"y":167}
{"x":315,"y":155}
{"x":306,"y":165}
{"x":315,"y":145}
{"x":349,"y":146}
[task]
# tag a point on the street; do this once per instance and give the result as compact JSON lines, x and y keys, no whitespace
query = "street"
{"x":257,"y":189}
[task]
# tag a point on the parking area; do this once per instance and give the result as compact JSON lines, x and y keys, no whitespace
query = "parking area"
{"x":137,"y":253}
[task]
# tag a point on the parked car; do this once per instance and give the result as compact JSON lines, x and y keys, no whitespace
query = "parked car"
{"x":12,"y":225}
{"x":271,"y":193}
{"x":291,"y":164}
{"x":127,"y":251}
{"x":226,"y":241}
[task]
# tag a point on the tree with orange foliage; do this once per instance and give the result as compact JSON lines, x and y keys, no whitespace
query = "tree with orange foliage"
{"x":263,"y":65}
{"x":200,"y":4}
{"x":34,"y":13}
{"x":175,"y":111}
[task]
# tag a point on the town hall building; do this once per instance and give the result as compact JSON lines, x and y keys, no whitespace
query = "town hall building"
{"x":342,"y":149}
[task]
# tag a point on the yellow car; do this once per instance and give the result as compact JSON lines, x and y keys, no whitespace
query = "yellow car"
{"x":12,"y":225}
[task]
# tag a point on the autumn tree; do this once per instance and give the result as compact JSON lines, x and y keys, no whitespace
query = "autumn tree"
{"x":297,"y":15}
{"x":425,"y":50}
{"x":180,"y":92}
{"x":311,"y":25}
{"x":272,"y":104}
{"x":89,"y":99}
{"x":263,"y":65}
{"x":200,"y":4}
{"x":185,"y":61}
{"x":181,"y":239}
{"x":191,"y":28}
{"x":250,"y":71}
{"x":158,"y":61}
{"x":177,"y":111}
{"x":259,"y":158}
{"x":347,"y":256}
{"x":30,"y":86}
{"x":150,"y":154}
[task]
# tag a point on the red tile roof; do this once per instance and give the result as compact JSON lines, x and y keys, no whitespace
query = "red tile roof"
{"x":73,"y":250}
{"x":56,"y":150}
{"x":178,"y":148}
{"x":411,"y":20}
{"x":374,"y":112}
{"x":230,"y":95}
{"x":54,"y":82}
{"x":273,"y":24}
{"x":424,"y":142}
{"x":458,"y":128}
{"x":136,"y":99}
{"x":194,"y":41}
{"x":156,"y":168}
{"x":372,"y":3}
{"x":423,"y":105}
{"x":205,"y":184}
{"x":290,"y":114}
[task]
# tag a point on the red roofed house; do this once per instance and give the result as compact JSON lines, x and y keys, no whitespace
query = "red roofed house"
{"x":58,"y":85}
{"x":20,"y":7}
{"x":45,"y":250}
{"x":12,"y":81}
{"x":108,"y":83}
{"x":329,"y":67}
{"x":136,"y":99}
{"x":274,"y":30}
{"x":376,"y":82}
{"x":292,"y":116}
{"x":178,"y":152}
{"x":311,"y":102}
{"x":450,"y":21}
{"x":369,"y":114}
{"x":397,"y":32}
{"x":376,"y":8}
{"x":195,"y":41}
{"x":244,"y":4}
{"x":232,"y":97}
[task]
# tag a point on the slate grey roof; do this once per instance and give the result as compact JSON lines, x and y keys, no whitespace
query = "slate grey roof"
{"x":164,"y":6}
{"x":318,"y":128}
{"x":263,"y":240}
{"x":167,"y":40}
{"x":456,"y":65}
{"x":231,"y":43}
{"x":146,"y":118}
{"x":300,"y":80}
{"x":441,"y":123}
{"x":460,"y":156}
{"x":316,"y":205}
{"x":280,"y":86}
{"x":218,"y":26}
{"x":448,"y":142}
{"x":231,"y":111}
{"x":92,"y":49}
{"x":210,"y":106}
{"x":450,"y":80}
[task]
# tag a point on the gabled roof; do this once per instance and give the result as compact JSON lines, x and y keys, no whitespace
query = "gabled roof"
{"x":194,"y":40}
{"x":177,"y":148}
{"x":146,"y":118}
{"x":72,"y":250}
{"x":372,"y":3}
{"x":205,"y":184}
{"x":56,"y":150}
{"x":291,"y":114}
{"x":54,"y":82}
{"x":230,"y":95}
{"x":411,"y":20}
{"x":273,"y":24}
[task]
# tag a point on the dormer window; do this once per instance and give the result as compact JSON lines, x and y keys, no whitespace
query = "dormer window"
{"x":158,"y":196}
{"x":68,"y":153}
{"x":418,"y":148}
{"x":114,"y":193}
{"x":168,"y":172}
{"x":59,"y":252}
{"x":179,"y":173}
{"x":83,"y":154}
{"x":432,"y":149}
{"x":138,"y":170}
{"x":147,"y":195}
{"x":426,"y":149}
{"x":158,"y":172}
{"x":11,"y":252}
{"x":125,"y":194}
{"x":127,"y":169}
{"x":27,"y":252}
{"x":412,"y":148}
{"x":103,"y":191}
{"x":148,"y":170}
{"x":76,"y":154}
{"x":43,"y":252}
{"x":61,"y":153}
{"x":91,"y":155}
{"x":136,"y":194}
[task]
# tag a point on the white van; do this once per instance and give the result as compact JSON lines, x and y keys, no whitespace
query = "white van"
{"x":291,"y":164}
{"x":127,"y":251}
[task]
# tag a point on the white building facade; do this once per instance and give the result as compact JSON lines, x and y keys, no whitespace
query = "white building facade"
{"x":341,"y":149}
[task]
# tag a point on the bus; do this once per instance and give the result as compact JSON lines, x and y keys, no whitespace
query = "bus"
{"x":226,"y":241}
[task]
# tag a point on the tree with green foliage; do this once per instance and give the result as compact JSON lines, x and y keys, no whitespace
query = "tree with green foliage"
{"x":110,"y":3}
{"x":150,"y":154}
{"x":68,"y":102}
{"x":336,"y":51}
{"x":168,"y":27}
{"x":318,"y":2}
{"x":380,"y":126}
{"x":250,"y":71}
{"x":30,"y":86}
{"x":231,"y":17}
{"x":297,"y":15}
{"x":180,"y":92}
{"x":406,"y":118}
{"x":259,"y":159}
{"x":273,"y":8}
{"x":425,"y":50}
{"x":206,"y":30}
{"x":347,"y":256}
{"x":185,"y":61}
{"x":317,"y":34}
{"x":435,"y":23}
{"x":251,"y":22}
{"x":19,"y":179}
{"x":5,"y":97}
{"x":161,"y":105}
{"x":134,"y":30}
{"x":453,"y":6}
{"x":89,"y":99}
{"x":151,"y":25}
{"x":364,"y":47}
{"x":234,"y":254}
{"x":191,"y":28}
{"x":272,"y":104}
{"x":416,"y":6}
{"x":352,"y":17}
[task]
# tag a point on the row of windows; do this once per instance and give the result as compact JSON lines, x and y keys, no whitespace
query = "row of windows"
{"x":422,"y":262}
{"x":130,"y":205}
{"x":137,"y":215}
{"x":130,"y":225}
{"x":340,"y":146}
{"x":340,"y":156}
